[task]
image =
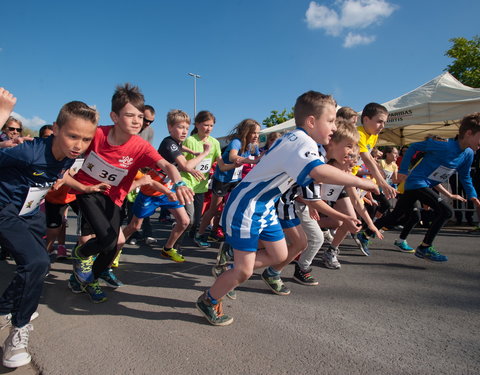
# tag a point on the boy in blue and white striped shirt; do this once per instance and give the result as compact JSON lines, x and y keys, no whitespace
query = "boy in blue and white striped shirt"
{"x":250,"y":215}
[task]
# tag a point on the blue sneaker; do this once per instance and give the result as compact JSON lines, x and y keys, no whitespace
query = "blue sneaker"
{"x":82,"y":267}
{"x":74,"y":285}
{"x":403,"y":246}
{"x":429,"y":253}
{"x":94,"y":292}
{"x":202,"y":240}
{"x":363,"y":242}
{"x":108,"y":278}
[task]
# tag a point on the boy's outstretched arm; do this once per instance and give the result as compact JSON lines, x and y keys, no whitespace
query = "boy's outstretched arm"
{"x":330,"y":175}
{"x":372,"y":166}
{"x":184,"y":194}
{"x":7,"y":103}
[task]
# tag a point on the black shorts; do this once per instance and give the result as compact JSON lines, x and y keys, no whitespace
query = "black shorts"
{"x":54,"y":213}
{"x":220,"y":189}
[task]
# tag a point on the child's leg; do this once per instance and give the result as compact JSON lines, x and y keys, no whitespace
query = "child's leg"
{"x":344,"y":206}
{"x":297,"y":242}
{"x":182,"y":221}
{"x":210,"y":213}
{"x":314,"y":237}
{"x":22,"y":237}
{"x":134,"y":225}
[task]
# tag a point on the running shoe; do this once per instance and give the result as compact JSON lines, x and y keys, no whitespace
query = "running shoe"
{"x":173,"y":255}
{"x":213,"y":312}
{"x":132,"y":241}
{"x":74,"y":285}
{"x":327,"y":236}
{"x":275,"y":283}
{"x":108,"y":278}
{"x":202,"y":240}
{"x":330,"y":260}
{"x":217,"y":235}
{"x":15,"y":348}
{"x":225,"y":253}
{"x":363,"y":242}
{"x":82,"y":267}
{"x":150,"y":241}
{"x":116,"y":261}
{"x":404,"y":246}
{"x":430,"y":253}
{"x":304,"y":277}
{"x":217,"y":271}
{"x":6,"y":320}
{"x":61,"y":252}
{"x":52,"y":255}
{"x":94,"y":292}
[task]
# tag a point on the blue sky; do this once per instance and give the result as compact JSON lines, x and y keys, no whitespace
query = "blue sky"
{"x":253,"y":56}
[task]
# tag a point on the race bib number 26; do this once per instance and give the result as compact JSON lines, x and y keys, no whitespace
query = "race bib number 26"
{"x":101,"y":171}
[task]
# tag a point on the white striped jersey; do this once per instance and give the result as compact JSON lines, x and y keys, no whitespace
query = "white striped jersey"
{"x":251,"y":205}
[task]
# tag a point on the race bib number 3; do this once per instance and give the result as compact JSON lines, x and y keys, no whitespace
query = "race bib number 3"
{"x":101,"y":171}
{"x":441,"y":174}
{"x":330,"y":193}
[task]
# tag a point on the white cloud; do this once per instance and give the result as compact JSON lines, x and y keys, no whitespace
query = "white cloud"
{"x":355,"y":39}
{"x":349,"y":15}
{"x":33,"y":123}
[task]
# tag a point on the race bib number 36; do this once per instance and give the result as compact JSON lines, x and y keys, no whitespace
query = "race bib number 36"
{"x":101,"y":171}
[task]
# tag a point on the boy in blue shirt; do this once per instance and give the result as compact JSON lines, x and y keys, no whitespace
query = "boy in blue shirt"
{"x":250,"y":215}
{"x":27,"y":172}
{"x":440,"y":161}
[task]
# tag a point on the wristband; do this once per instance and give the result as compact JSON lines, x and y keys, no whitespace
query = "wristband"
{"x":178,"y":184}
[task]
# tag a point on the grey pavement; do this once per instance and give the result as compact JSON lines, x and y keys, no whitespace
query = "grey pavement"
{"x":390,"y":313}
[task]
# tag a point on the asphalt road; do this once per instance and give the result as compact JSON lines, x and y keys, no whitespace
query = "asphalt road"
{"x":390,"y":313}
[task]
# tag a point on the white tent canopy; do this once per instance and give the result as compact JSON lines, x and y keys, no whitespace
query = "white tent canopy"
{"x":433,"y":108}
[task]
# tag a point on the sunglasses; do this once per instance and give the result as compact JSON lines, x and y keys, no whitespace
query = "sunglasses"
{"x":15,"y":129}
{"x":148,"y":122}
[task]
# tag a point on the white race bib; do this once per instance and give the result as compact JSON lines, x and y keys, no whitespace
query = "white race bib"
{"x":34,"y":198}
{"x":77,"y":165}
{"x":286,"y":185}
{"x":237,"y":173}
{"x":204,"y":166}
{"x":361,"y":193}
{"x":330,"y":193}
{"x":101,"y":171}
{"x":388,"y":176}
{"x":441,"y":174}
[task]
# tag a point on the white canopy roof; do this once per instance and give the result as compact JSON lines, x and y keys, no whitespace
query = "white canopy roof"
{"x":433,"y":108}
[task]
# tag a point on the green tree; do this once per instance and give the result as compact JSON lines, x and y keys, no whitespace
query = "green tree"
{"x":466,"y":64}
{"x":277,"y":117}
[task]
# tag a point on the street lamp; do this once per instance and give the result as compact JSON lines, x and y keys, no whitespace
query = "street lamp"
{"x":195,"y":76}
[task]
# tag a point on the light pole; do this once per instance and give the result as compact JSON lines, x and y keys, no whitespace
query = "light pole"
{"x":195,"y":76}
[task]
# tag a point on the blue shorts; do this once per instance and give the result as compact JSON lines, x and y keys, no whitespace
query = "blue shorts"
{"x":289,"y":223}
{"x":145,"y":205}
{"x":271,"y":233}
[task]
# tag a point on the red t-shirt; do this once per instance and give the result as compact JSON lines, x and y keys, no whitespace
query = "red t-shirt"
{"x":116,"y":165}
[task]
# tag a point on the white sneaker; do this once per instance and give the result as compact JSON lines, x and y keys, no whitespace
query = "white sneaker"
{"x":327,"y":236}
{"x":330,"y":260}
{"x":15,"y":348}
{"x":150,"y":241}
{"x":6,"y":320}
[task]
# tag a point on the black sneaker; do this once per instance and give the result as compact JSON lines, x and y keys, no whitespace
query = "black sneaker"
{"x":276,"y":284}
{"x":304,"y":277}
{"x":213,"y":312}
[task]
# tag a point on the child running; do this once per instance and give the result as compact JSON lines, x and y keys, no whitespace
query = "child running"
{"x":114,"y":157}
{"x":249,"y":214}
{"x":440,"y":161}
{"x":27,"y":172}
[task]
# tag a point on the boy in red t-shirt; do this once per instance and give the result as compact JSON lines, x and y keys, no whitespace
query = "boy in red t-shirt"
{"x":113,"y":158}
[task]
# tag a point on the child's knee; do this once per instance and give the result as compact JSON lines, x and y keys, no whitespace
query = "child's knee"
{"x":242,"y":274}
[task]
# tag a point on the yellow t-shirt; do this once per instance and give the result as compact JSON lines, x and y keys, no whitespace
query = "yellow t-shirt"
{"x":367,"y":141}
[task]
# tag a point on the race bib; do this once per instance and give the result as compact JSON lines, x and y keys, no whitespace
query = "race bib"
{"x":441,"y":174}
{"x":286,"y":185}
{"x":77,"y":165}
{"x":388,"y":176}
{"x":237,"y":173}
{"x":361,"y":193}
{"x":101,"y":171}
{"x":34,"y":198}
{"x":330,"y":193}
{"x":204,"y":166}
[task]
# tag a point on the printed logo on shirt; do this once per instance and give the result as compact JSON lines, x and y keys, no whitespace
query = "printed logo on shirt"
{"x":173,"y":147}
{"x":126,"y":161}
{"x":308,"y":153}
{"x":38,"y":173}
